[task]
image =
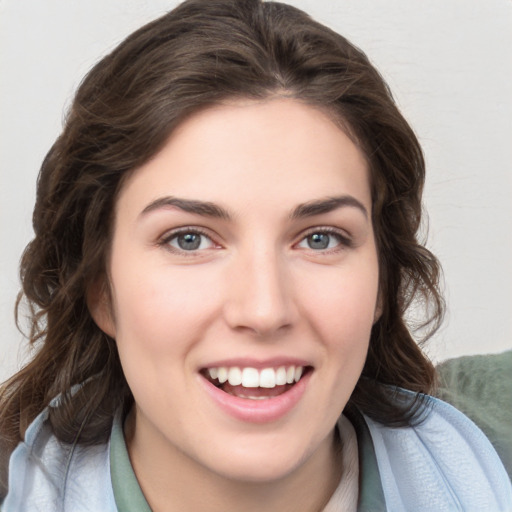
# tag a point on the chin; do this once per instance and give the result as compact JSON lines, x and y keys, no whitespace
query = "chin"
{"x":257,"y":471}
{"x":269,"y":460}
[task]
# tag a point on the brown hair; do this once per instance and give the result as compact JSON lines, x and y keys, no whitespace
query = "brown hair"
{"x":199,"y":54}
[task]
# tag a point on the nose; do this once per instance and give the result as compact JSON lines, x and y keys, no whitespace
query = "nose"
{"x":259,"y":294}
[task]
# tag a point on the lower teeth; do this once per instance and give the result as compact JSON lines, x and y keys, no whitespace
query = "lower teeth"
{"x":254,"y":397}
{"x":254,"y":393}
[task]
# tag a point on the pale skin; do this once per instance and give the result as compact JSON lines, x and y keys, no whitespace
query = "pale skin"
{"x":277,"y":198}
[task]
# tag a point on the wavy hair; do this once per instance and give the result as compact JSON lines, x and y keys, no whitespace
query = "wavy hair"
{"x":199,"y":54}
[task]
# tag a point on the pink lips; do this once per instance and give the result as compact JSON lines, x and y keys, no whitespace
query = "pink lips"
{"x":257,"y":411}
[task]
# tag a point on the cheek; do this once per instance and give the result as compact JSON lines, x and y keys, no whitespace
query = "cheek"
{"x":341,"y":316}
{"x":159,"y":310}
{"x":158,"y":322}
{"x":343,"y":304}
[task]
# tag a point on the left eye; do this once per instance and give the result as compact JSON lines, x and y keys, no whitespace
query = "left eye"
{"x":190,"y":241}
{"x":320,"y":241}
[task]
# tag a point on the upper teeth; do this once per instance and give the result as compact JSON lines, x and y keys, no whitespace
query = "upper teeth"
{"x":253,"y":378}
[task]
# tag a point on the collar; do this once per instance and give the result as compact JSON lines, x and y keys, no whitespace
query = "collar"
{"x":127,"y":492}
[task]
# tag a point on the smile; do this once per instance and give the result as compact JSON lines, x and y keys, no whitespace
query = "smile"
{"x":256,"y":394}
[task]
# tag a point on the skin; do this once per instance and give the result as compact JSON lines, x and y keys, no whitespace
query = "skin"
{"x":254,"y":289}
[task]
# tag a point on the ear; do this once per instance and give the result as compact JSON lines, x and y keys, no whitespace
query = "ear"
{"x":99,"y":303}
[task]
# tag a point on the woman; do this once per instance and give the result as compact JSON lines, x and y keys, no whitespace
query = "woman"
{"x":225,"y":247}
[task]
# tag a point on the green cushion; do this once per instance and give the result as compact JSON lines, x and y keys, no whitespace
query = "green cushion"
{"x":481,"y":387}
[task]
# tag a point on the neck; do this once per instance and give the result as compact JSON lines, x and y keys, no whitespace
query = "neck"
{"x":170,"y":480}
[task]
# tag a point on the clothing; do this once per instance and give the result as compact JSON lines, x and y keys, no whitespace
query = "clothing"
{"x":443,"y":464}
{"x":346,"y":494}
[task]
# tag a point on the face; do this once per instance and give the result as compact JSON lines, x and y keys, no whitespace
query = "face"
{"x":244,"y":251}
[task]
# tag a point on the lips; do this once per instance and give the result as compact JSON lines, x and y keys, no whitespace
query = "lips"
{"x":256,"y":394}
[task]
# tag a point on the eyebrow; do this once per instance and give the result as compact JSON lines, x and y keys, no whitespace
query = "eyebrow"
{"x":208,"y":209}
{"x":327,"y":205}
{"x":203,"y":208}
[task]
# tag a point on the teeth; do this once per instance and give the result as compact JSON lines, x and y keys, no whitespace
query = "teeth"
{"x":253,"y":378}
{"x":254,"y":397}
{"x":268,"y":378}
{"x":281,"y":376}
{"x":235,"y":376}
{"x":250,"y":378}
{"x":222,"y":375}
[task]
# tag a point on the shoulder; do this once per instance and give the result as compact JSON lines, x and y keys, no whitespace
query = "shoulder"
{"x":443,"y":463}
{"x":47,"y":474}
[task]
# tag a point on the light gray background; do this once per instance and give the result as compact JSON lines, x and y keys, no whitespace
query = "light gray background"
{"x":448,"y":62}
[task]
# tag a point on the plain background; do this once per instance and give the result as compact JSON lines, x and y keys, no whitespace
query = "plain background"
{"x":448,"y":63}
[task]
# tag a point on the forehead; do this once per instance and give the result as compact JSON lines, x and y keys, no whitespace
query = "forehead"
{"x":245,"y":153}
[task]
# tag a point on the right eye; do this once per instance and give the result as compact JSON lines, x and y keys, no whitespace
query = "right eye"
{"x":189,"y":241}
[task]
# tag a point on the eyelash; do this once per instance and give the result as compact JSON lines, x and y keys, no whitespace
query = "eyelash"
{"x":344,"y":240}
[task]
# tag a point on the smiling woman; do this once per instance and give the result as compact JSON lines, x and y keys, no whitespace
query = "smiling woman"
{"x":275,"y":299}
{"x":225,"y":247}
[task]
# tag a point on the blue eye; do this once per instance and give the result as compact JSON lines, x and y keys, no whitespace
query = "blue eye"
{"x":322,"y":240}
{"x":189,"y":241}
